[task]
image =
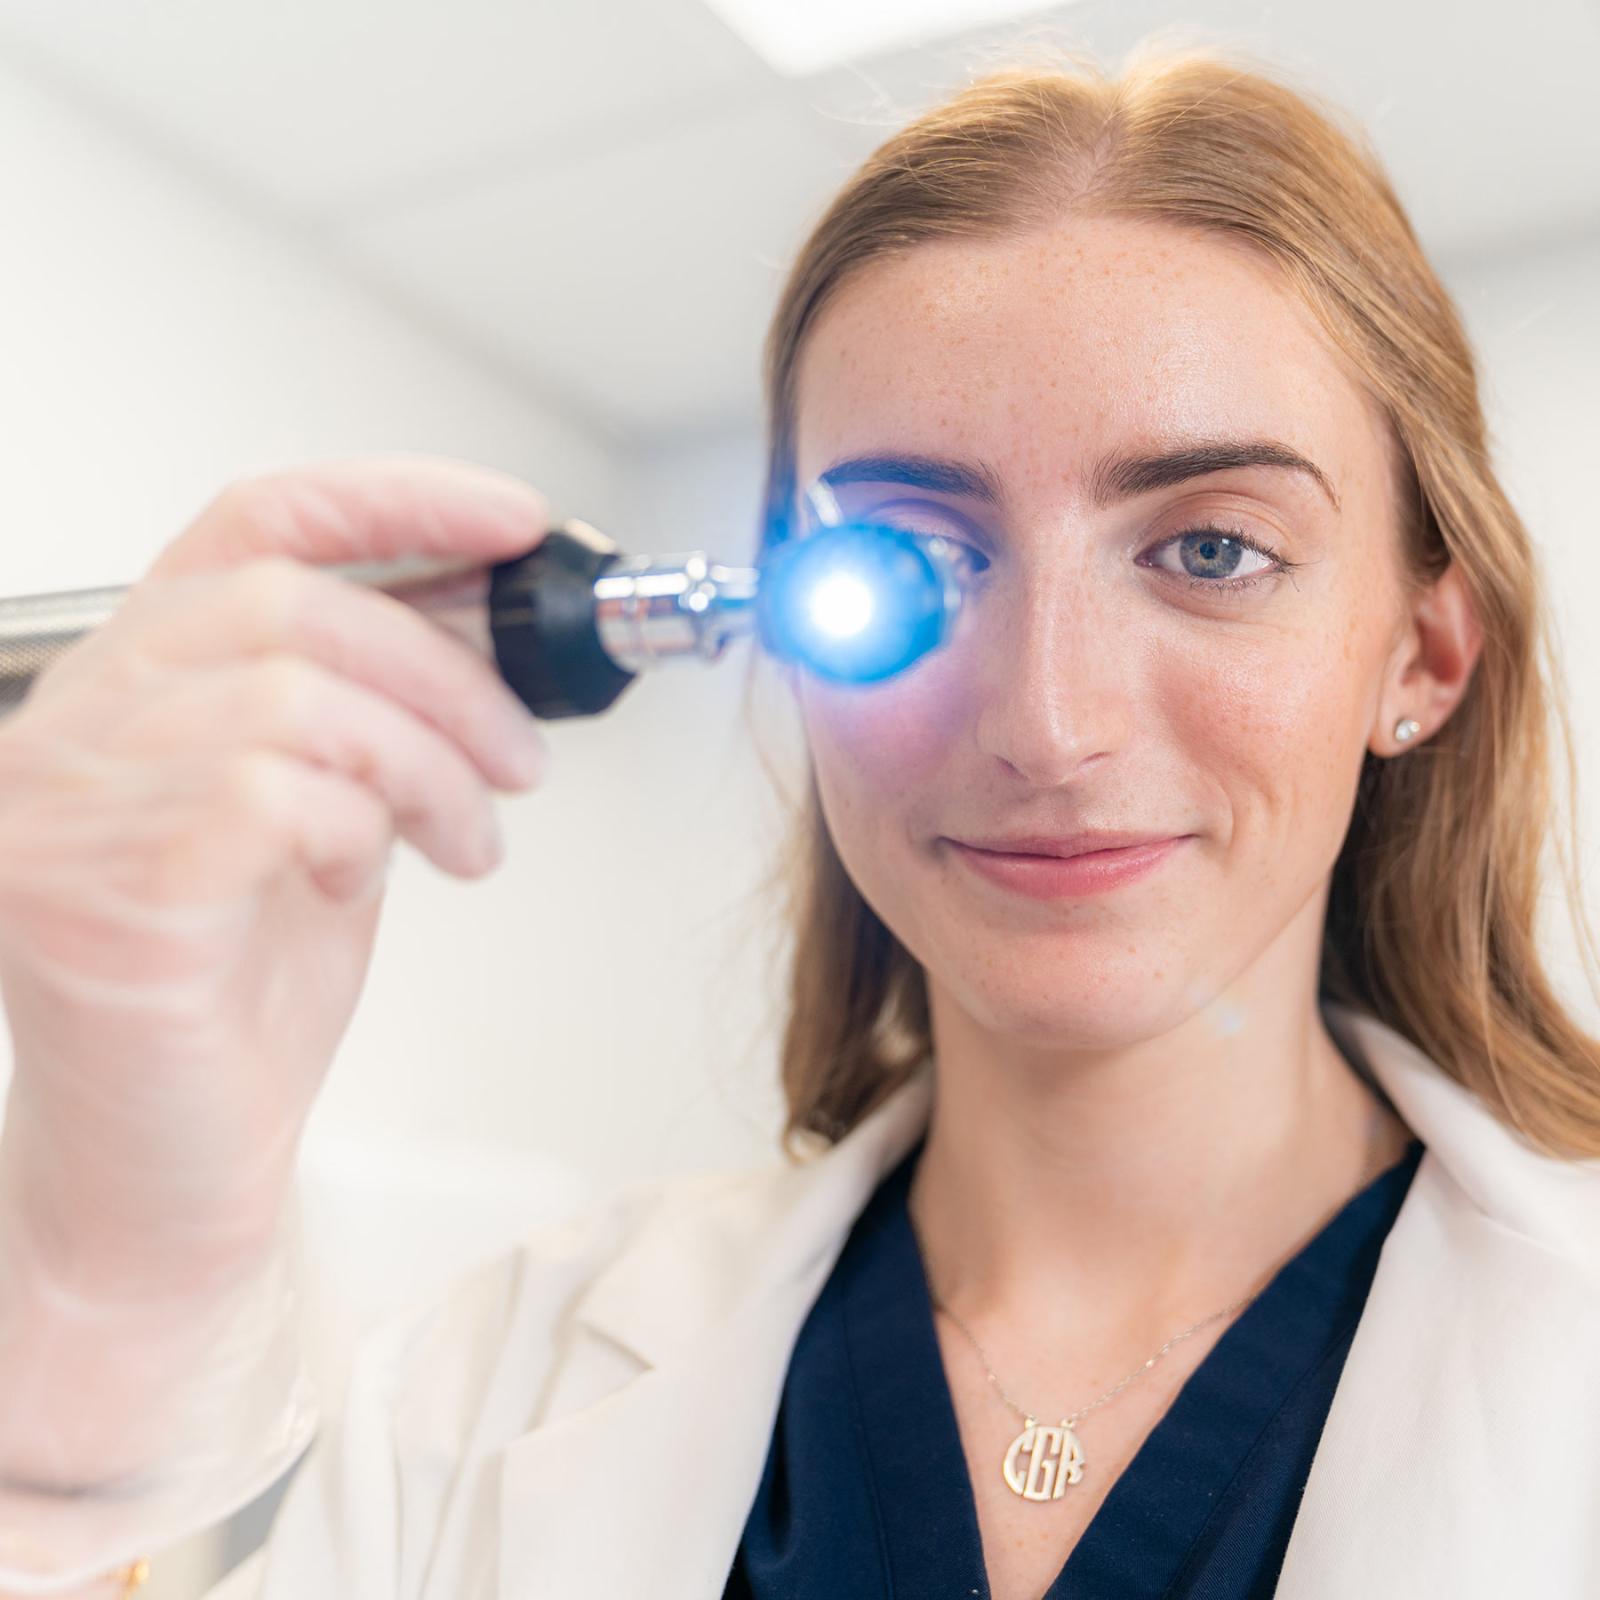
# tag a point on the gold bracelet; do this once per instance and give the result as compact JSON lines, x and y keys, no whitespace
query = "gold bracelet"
{"x":133,"y":1576}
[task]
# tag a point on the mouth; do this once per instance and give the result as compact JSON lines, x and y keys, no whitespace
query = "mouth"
{"x":1054,"y":869}
{"x":1064,"y":846}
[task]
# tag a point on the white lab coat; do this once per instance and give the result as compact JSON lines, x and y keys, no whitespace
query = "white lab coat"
{"x":588,"y":1414}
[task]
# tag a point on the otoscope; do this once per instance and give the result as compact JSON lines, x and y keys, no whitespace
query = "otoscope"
{"x":572,"y":622}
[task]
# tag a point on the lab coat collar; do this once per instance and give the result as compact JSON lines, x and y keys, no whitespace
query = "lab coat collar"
{"x":1433,"y":1475}
{"x":1550,"y":1203}
{"x":783,"y":1226}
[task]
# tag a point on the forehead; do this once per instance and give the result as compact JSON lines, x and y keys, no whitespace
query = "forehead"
{"x":1038,"y":353}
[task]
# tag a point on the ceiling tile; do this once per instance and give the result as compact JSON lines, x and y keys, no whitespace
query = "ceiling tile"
{"x":320,"y":103}
{"x":639,"y":280}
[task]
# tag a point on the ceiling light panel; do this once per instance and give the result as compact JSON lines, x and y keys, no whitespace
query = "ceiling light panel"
{"x":799,"y":37}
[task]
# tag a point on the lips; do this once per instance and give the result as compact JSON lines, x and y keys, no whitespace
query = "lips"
{"x":1095,"y":867}
{"x":1064,"y":846}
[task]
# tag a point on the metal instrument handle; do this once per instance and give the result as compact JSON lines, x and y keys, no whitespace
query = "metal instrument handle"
{"x":37,"y":629}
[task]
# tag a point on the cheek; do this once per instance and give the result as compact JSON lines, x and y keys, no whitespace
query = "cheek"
{"x":880,"y":758}
{"x":886,"y":742}
{"x":1277,"y":723}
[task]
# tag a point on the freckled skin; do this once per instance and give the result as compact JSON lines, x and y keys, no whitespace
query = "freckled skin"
{"x":1086,"y":690}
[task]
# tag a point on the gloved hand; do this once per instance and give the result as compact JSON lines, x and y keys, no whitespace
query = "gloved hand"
{"x":197,"y":807}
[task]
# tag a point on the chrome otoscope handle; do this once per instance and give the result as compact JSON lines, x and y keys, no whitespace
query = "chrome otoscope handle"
{"x":37,"y":629}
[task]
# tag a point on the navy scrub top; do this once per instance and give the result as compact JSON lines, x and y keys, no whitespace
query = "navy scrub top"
{"x":865,"y":1490}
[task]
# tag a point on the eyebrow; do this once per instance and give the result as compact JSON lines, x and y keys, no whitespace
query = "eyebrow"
{"x":1112,"y":478}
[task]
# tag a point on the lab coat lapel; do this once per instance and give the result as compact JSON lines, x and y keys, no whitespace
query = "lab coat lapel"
{"x":708,"y":1297}
{"x":1442,"y":1468}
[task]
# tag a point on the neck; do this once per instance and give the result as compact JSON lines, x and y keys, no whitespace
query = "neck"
{"x":1105,"y":1196}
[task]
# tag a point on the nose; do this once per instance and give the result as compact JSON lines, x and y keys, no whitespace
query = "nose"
{"x":1055,"y":676}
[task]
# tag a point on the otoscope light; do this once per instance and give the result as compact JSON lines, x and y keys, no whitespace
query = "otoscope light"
{"x":840,"y":605}
{"x":859,"y":602}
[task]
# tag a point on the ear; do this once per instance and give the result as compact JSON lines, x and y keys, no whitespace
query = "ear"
{"x":1431,"y":665}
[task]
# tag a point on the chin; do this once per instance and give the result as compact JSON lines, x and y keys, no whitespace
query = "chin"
{"x":1066,"y":1011}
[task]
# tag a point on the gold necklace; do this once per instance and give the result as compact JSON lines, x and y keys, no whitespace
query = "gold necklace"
{"x":1042,"y":1459}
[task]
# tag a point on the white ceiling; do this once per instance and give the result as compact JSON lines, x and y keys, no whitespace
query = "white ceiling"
{"x":599,"y":198}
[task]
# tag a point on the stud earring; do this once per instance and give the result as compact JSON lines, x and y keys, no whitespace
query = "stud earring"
{"x":1406,"y":729}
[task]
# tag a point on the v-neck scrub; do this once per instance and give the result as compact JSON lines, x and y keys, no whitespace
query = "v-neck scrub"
{"x":865,"y":1490}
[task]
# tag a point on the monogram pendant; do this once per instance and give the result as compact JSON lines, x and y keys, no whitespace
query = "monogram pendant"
{"x":1042,"y":1461}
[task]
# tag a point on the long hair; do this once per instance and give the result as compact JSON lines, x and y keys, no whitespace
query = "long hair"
{"x":1432,"y":909}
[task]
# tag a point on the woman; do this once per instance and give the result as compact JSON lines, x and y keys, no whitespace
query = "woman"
{"x":1212,"y":1214}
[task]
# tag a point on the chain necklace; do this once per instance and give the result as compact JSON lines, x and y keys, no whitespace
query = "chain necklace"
{"x":1042,"y":1459}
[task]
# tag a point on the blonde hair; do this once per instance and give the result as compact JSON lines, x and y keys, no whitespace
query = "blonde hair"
{"x":1432,"y":912}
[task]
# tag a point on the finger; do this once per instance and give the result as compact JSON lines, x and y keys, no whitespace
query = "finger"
{"x":367,"y":508}
{"x":291,"y":705}
{"x":275,"y":606}
{"x":275,"y":810}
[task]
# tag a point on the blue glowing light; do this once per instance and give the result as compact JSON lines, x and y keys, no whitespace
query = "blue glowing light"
{"x":840,"y":604}
{"x":856,"y":603}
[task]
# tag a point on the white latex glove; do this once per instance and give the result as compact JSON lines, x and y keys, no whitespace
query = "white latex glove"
{"x":197,"y":807}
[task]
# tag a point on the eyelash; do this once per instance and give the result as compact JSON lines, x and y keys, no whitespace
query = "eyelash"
{"x":1279,"y":567}
{"x":1240,"y":537}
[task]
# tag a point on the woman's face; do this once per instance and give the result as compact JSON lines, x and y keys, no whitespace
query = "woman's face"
{"x":1114,"y":669}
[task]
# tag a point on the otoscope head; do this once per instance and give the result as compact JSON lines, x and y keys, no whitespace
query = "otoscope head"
{"x":574,"y":620}
{"x":859,"y":602}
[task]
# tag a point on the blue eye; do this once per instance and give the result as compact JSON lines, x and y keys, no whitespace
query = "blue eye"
{"x":1212,"y":558}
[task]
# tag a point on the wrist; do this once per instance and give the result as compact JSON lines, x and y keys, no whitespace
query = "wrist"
{"x":93,"y":1250}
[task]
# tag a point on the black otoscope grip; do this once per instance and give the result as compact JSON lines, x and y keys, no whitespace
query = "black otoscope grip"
{"x":542,"y":620}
